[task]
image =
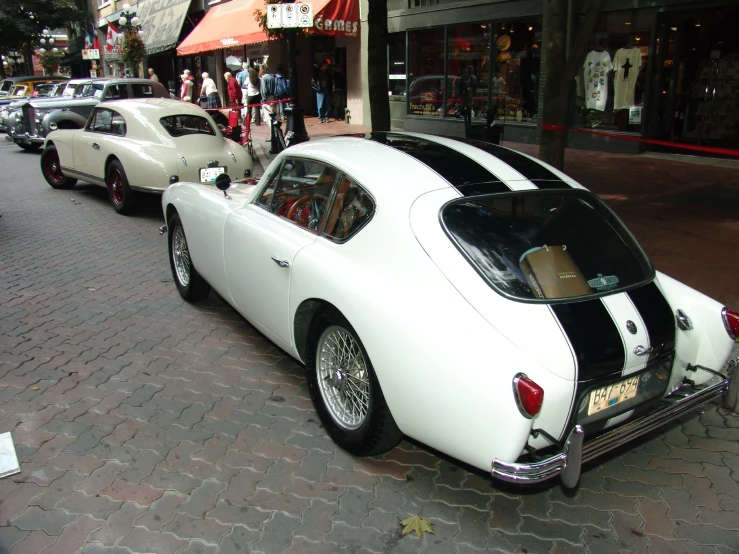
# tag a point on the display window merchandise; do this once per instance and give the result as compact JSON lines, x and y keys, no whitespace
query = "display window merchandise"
{"x":612,"y":80}
{"x":485,"y":67}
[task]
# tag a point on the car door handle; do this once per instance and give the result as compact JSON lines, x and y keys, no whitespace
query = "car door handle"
{"x":641,"y":351}
{"x":281,"y":263}
{"x":96,"y":146}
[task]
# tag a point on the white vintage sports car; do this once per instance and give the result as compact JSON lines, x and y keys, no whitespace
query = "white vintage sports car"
{"x":460,"y":293}
{"x":142,"y":145}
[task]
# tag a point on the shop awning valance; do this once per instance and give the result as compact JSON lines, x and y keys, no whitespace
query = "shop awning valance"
{"x":224,"y":26}
{"x":161,"y":23}
{"x":336,"y":18}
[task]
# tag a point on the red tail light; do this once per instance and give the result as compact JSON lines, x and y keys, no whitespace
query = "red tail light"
{"x":529,"y":395}
{"x":731,"y":322}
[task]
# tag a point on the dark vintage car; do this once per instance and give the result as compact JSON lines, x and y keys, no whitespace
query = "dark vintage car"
{"x":39,"y":117}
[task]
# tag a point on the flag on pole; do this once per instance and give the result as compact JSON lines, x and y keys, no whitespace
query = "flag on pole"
{"x":112,"y":38}
{"x":88,"y":40}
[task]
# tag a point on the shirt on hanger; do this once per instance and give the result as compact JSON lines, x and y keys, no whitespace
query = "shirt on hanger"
{"x":627,"y":63}
{"x":596,"y":66}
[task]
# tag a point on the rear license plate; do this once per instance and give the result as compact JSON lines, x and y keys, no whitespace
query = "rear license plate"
{"x":609,"y":396}
{"x":208,"y":175}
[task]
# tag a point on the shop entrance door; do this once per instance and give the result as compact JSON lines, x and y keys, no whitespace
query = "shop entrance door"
{"x":697,"y":77}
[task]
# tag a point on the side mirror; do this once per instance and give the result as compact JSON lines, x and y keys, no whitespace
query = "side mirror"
{"x":223,"y":182}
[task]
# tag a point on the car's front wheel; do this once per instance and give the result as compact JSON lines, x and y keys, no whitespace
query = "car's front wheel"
{"x":189,"y":282}
{"x":345,"y":389}
{"x":120,"y":194}
{"x":51,"y":167}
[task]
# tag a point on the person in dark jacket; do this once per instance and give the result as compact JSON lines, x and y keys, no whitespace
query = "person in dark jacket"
{"x":339,"y":93}
{"x":324,"y":92}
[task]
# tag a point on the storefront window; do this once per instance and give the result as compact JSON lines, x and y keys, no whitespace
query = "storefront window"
{"x":468,"y":69}
{"x":489,"y":66}
{"x":396,"y":64}
{"x":611,"y":83}
{"x":426,"y":72}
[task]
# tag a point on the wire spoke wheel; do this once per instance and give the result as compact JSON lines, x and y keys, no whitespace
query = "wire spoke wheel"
{"x":53,"y":168}
{"x":343,"y":377}
{"x":117,"y":191}
{"x":181,"y":256}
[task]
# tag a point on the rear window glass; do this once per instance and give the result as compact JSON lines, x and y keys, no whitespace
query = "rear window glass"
{"x":542,"y":245}
{"x":179,"y":125}
{"x":142,"y":91}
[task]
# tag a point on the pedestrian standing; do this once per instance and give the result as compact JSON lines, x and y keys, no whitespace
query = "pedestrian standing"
{"x":282,"y":91}
{"x":243,"y":75}
{"x":253,"y":95}
{"x":233,"y":89}
{"x":153,"y":76}
{"x":339,"y":93}
{"x":267,"y":91}
{"x":210,"y":92}
{"x":186,"y":88}
{"x":323,"y":94}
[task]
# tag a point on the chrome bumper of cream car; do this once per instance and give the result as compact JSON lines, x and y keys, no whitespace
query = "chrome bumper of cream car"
{"x":575,"y":452}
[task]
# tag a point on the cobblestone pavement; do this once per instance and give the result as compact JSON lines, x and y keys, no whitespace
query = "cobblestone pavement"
{"x":146,"y":424}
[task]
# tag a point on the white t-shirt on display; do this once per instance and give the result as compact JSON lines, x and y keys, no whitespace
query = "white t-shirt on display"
{"x":596,"y":66}
{"x":627,"y":63}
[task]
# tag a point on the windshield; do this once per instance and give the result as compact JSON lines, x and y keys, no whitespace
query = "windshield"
{"x":69,"y":89}
{"x":92,"y":89}
{"x":179,"y":125}
{"x":546,"y":245}
{"x":45,"y":89}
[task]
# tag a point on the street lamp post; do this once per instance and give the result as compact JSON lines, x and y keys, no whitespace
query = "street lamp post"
{"x":129,"y":23}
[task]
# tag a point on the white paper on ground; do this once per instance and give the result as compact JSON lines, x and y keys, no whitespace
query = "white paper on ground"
{"x":8,"y":458}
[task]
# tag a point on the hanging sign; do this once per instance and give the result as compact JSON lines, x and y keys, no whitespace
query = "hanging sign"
{"x":274,"y":16}
{"x":305,"y":14}
{"x":289,"y":15}
{"x":90,"y":54}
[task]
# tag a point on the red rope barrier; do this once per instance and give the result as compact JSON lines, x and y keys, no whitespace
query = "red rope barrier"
{"x":696,"y":148}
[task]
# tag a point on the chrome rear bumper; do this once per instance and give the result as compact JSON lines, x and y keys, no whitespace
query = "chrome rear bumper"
{"x":575,"y":452}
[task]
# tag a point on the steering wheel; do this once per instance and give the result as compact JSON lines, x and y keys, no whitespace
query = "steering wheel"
{"x":300,"y":211}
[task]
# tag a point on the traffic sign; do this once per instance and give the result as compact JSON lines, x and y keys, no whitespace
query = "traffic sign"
{"x":289,"y":15}
{"x":305,"y":14}
{"x":274,"y":16}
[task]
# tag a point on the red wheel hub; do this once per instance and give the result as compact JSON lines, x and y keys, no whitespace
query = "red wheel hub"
{"x":116,"y":187}
{"x":53,"y":168}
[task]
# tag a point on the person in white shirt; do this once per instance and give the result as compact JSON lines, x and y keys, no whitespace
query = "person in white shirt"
{"x":210,"y":91}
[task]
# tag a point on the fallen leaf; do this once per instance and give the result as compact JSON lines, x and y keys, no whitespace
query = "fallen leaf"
{"x":35,"y":388}
{"x":417,"y":524}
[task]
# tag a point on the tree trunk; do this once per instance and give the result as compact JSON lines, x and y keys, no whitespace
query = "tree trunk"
{"x":377,"y":77}
{"x":560,"y":75}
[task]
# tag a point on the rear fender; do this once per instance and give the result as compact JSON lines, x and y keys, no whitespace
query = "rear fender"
{"x":707,"y":343}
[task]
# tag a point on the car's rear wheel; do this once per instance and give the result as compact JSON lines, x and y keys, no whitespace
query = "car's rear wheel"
{"x":51,"y":167}
{"x":32,"y":147}
{"x":345,"y":389}
{"x":120,"y":194}
{"x":189,"y":282}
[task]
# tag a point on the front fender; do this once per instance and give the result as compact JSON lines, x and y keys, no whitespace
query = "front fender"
{"x":62,"y":116}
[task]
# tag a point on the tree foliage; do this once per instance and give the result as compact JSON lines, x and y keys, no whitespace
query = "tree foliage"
{"x":21,"y":21}
{"x":50,"y":61}
{"x":134,"y":50}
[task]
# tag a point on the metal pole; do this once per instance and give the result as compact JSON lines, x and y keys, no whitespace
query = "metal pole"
{"x":295,"y":121}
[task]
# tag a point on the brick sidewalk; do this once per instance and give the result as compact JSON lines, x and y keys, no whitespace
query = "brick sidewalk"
{"x":144,"y":423}
{"x":686,"y":216}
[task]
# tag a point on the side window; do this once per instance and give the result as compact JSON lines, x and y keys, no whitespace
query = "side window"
{"x":116,"y":92}
{"x":117,"y":125}
{"x":302,"y":192}
{"x":142,"y":91}
{"x":265,"y":199}
{"x":352,"y":208}
{"x":100,"y":121}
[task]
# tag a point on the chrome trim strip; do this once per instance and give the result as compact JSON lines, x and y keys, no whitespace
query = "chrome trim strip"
{"x":568,"y":462}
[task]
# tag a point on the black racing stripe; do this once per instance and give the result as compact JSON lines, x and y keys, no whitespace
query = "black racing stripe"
{"x":459,"y":170}
{"x":657,"y":316}
{"x":598,"y":347}
{"x":530,"y":169}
